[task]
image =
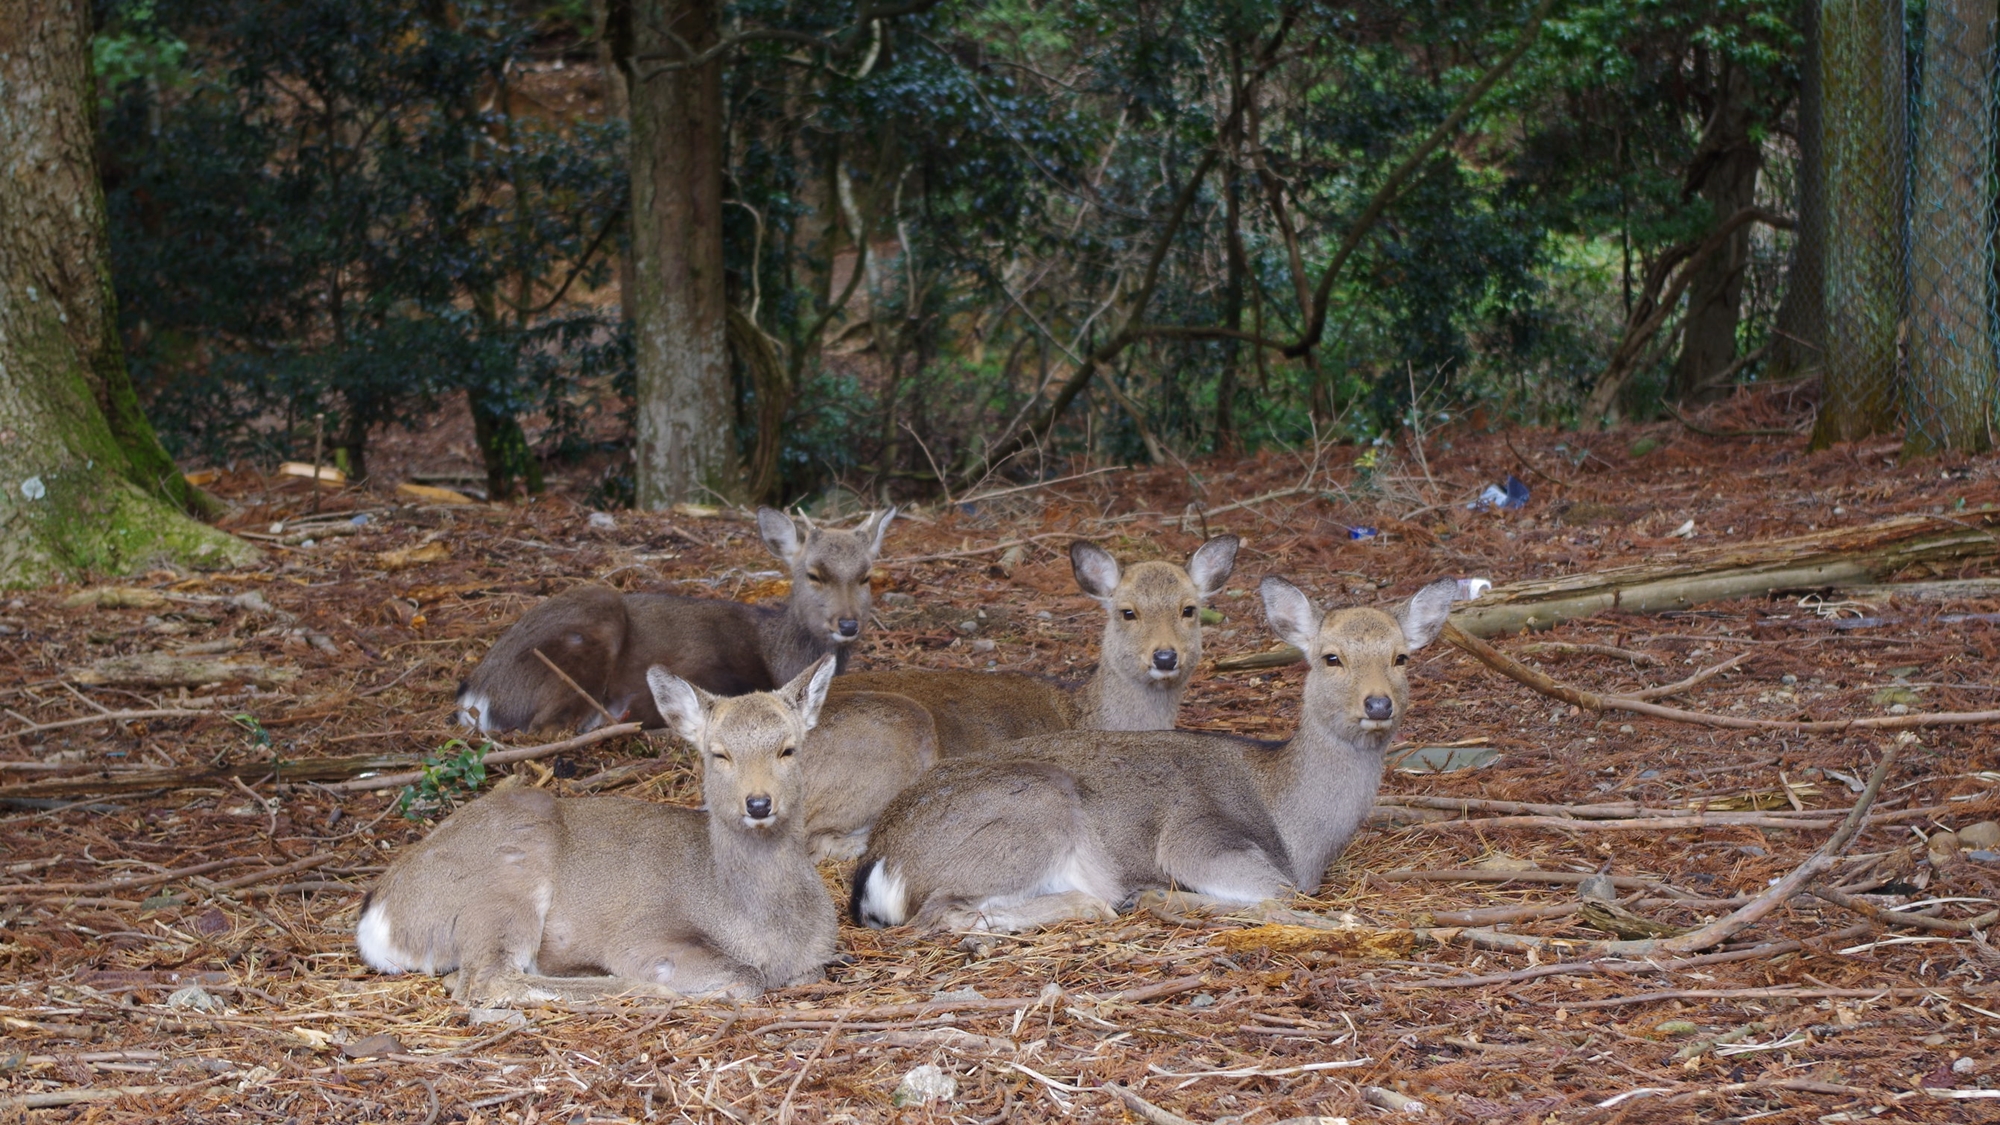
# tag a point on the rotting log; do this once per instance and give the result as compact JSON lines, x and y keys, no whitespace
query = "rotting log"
{"x":1840,"y":558}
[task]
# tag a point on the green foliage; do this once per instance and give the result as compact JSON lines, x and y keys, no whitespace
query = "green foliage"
{"x":332,"y":211}
{"x":452,"y":774}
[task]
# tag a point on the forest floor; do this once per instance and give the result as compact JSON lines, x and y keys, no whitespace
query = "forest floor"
{"x":181,"y":949}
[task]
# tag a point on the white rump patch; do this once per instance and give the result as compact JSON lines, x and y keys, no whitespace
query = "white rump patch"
{"x":884,"y":896}
{"x":378,"y":946}
{"x":475,"y":710}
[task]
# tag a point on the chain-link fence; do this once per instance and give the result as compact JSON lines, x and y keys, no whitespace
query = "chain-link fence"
{"x":1907,"y":182}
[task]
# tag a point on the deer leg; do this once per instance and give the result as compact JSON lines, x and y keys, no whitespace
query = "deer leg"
{"x":1233,"y":875}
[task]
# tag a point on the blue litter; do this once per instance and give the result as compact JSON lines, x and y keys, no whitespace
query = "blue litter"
{"x":1509,"y":497}
{"x":360,"y":520}
{"x":1362,"y":533}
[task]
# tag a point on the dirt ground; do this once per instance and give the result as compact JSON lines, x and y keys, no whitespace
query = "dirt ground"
{"x":176,"y":945}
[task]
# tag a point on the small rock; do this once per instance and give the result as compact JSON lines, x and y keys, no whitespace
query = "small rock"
{"x":1752,"y":849}
{"x":210,"y":922}
{"x":194,"y":998}
{"x":1625,"y":728}
{"x":899,"y":599}
{"x":1899,"y":709}
{"x":1983,"y":856}
{"x":1963,"y":1065}
{"x":509,"y":1016}
{"x":925,"y":1084}
{"x":968,"y":627}
{"x":1599,"y":887}
{"x":1202,"y":1000}
{"x":373,"y":1047}
{"x":1045,"y":615}
{"x":1943,"y":847}
{"x":983,"y":645}
{"x":1984,"y":836}
{"x":602,"y":521}
{"x":255,"y":1078}
{"x":959,"y":994}
{"x":1788,"y":679}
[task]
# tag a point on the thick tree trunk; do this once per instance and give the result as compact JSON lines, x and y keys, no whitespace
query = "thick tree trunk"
{"x":1801,"y":327}
{"x":686,"y":444}
{"x":1950,"y":396}
{"x":84,"y":483}
{"x":1861,"y":82}
{"x":1725,"y":173}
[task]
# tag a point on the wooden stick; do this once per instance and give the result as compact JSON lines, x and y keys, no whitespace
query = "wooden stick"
{"x":1678,"y":686}
{"x":153,"y":880}
{"x":496,"y":758}
{"x":1750,"y":994}
{"x":1902,"y":918}
{"x":270,"y":873}
{"x":1589,"y":649}
{"x":575,"y":687}
{"x":1590,"y":701}
{"x":1617,"y":966}
{"x":110,"y":717}
{"x":1641,"y":823}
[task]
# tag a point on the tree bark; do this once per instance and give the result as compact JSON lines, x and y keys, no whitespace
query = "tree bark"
{"x":685,"y":445}
{"x":1801,"y":326}
{"x":1861,"y":82}
{"x":84,"y":482}
{"x":1950,"y":394}
{"x":1724,"y":171}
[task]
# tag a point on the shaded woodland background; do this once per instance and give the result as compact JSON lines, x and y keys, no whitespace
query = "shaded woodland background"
{"x":964,"y":236}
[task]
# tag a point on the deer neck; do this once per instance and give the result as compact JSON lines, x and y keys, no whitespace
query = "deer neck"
{"x":758,"y":869}
{"x":1112,"y":700}
{"x":793,"y":640}
{"x":1319,"y":788}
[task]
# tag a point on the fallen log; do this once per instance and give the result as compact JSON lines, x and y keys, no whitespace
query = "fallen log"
{"x":1840,"y":558}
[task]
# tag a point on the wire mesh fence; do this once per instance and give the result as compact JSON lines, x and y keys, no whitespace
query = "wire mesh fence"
{"x":1906,"y":170}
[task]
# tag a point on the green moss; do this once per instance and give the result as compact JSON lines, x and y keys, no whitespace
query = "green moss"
{"x":88,"y":519}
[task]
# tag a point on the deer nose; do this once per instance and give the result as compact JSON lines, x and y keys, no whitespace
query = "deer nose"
{"x":1379,"y":707}
{"x":758,"y":808}
{"x":1166,"y":659}
{"x":849,"y":627}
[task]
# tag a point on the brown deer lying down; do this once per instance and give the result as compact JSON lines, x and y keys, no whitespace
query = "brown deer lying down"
{"x":605,"y":640}
{"x":880,"y":730}
{"x":1078,"y":823}
{"x":520,"y":892}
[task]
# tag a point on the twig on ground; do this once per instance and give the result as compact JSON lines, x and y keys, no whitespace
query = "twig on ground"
{"x":1902,"y":917}
{"x":107,"y":885}
{"x":1678,"y":686}
{"x":576,"y":687}
{"x":1753,"y":994}
{"x":496,"y":758}
{"x":1577,"y":648}
{"x":1616,"y":966}
{"x":1590,"y":701}
{"x":110,"y":717}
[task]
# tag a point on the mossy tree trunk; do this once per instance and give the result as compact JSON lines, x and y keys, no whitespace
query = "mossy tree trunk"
{"x":1801,"y":327}
{"x":84,"y":482}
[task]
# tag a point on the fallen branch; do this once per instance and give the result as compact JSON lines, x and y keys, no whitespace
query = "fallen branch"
{"x":1628,"y":824}
{"x":1616,"y":966}
{"x":496,"y":758}
{"x":1903,"y":918}
{"x":1590,"y":701}
{"x":152,"y":880}
{"x":1754,"y":994}
{"x":109,"y":717}
{"x":1569,"y":648}
{"x":1679,"y":686}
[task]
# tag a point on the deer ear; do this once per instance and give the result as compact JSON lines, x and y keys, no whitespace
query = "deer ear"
{"x":1096,"y":571}
{"x":1423,"y":616}
{"x":780,"y":533}
{"x":684,"y":706}
{"x":1290,"y":613}
{"x":807,"y":691}
{"x":1213,"y":563}
{"x":875,"y":528}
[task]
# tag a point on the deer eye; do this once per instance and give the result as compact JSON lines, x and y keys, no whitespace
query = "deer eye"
{"x":788,"y":751}
{"x":1332,"y":660}
{"x":1130,"y":614}
{"x":817,"y":578}
{"x":1402,"y":658}
{"x":718,"y":757}
{"x":1187,"y":611}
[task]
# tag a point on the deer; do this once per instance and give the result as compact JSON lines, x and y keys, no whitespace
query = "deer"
{"x":881,"y":730}
{"x":1074,"y":825}
{"x":528,"y":897}
{"x":604,"y":641}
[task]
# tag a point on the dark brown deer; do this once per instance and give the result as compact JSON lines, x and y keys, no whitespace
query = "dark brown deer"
{"x":605,"y":640}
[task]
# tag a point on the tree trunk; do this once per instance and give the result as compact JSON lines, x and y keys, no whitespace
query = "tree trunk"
{"x":1801,"y":326}
{"x":1861,"y":83}
{"x":1725,"y":172}
{"x":84,"y":482}
{"x":686,"y":445}
{"x":1949,"y":397}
